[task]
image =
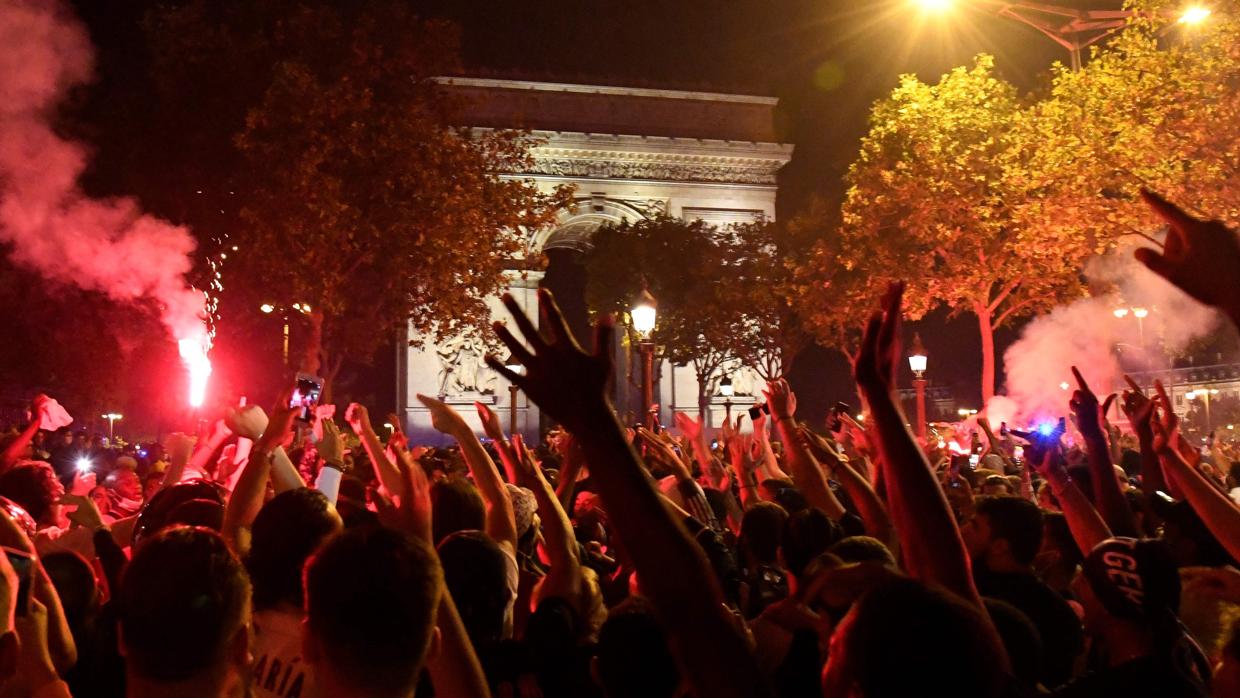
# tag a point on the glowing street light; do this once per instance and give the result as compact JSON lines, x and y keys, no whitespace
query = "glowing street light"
{"x":644,"y":314}
{"x":1194,"y":15}
{"x":1140,"y":313}
{"x":1121,"y":313}
{"x":269,"y":308}
{"x":111,"y":417}
{"x":917,"y":361}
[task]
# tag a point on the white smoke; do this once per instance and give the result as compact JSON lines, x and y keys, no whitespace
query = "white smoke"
{"x":1087,"y":334}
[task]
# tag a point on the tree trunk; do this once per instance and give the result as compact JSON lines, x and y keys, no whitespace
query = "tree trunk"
{"x":987,"y":331}
{"x":703,"y":400}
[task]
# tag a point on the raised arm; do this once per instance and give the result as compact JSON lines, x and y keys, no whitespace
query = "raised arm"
{"x":1086,"y":524}
{"x":13,"y":452}
{"x":1200,"y":257}
{"x":385,"y":470}
{"x":570,"y":385}
{"x":869,"y":507}
{"x":501,"y":524}
{"x":247,"y":497}
{"x":1109,"y":499}
{"x":1216,"y":510}
{"x":806,"y":472}
{"x":564,"y":577}
{"x":455,"y":669}
{"x":929,"y":538}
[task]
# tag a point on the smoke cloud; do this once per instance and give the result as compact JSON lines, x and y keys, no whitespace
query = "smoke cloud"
{"x":109,"y":245}
{"x":1087,"y":334}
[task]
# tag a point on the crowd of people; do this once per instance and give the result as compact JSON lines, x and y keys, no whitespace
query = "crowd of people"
{"x":285,"y":555}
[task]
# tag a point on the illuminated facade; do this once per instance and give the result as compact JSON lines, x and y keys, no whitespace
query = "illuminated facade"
{"x":630,"y":153}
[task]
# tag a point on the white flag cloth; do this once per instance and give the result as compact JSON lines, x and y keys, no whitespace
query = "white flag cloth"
{"x":54,"y":416}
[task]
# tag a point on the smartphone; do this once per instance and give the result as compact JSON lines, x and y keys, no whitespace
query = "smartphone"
{"x":23,"y":564}
{"x":834,"y":421}
{"x":757,"y":410}
{"x":973,"y":461}
{"x":306,"y":395}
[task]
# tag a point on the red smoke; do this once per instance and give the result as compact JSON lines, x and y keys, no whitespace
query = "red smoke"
{"x":101,"y":245}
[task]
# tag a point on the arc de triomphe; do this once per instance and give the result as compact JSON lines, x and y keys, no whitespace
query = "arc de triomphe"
{"x":630,"y":152}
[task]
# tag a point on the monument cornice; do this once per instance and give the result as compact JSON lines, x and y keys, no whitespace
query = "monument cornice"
{"x":656,"y":158}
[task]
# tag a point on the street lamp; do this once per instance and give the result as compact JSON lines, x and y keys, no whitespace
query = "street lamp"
{"x":644,"y":314}
{"x":1073,"y":28}
{"x":917,"y":362}
{"x":516,"y":367}
{"x":268,"y":308}
{"x":1140,"y":314}
{"x":727,"y":391}
{"x":111,"y":417}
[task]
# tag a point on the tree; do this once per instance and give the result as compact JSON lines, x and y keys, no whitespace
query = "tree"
{"x":932,"y":198}
{"x":1157,"y":108}
{"x":833,"y":297}
{"x":357,"y":194}
{"x":684,"y":265}
{"x":762,"y":260}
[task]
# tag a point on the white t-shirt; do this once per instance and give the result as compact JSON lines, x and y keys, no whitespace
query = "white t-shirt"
{"x":279,"y":670}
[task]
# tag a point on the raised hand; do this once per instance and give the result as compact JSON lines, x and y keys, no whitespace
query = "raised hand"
{"x":445,"y":419}
{"x":879,"y":355}
{"x":249,"y":421}
{"x":358,"y":418}
{"x":490,"y":422}
{"x":280,"y":426}
{"x":690,"y":427}
{"x":1200,"y":257}
{"x":331,"y":448}
{"x":1138,"y":408}
{"x":780,"y":397}
{"x":564,"y":380}
{"x":86,"y":514}
{"x":1085,"y":406}
{"x":397,"y":439}
{"x":179,"y":447}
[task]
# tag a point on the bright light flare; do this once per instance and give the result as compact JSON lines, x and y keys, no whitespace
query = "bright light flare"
{"x":84,"y":464}
{"x":1046,"y":428}
{"x":934,"y":6}
{"x":194,"y":356}
{"x":1195,"y":14}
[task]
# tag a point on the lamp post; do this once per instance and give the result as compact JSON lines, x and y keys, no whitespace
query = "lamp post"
{"x":111,"y":417}
{"x":516,"y":367}
{"x":917,"y":362}
{"x":1073,"y":28}
{"x":644,"y":314}
{"x":268,"y":308}
{"x":726,"y":390}
{"x":1140,"y":314}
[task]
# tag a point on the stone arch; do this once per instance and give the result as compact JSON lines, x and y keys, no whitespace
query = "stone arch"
{"x":577,"y":223}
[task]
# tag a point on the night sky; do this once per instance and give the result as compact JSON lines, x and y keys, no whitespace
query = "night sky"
{"x":827,"y":61}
